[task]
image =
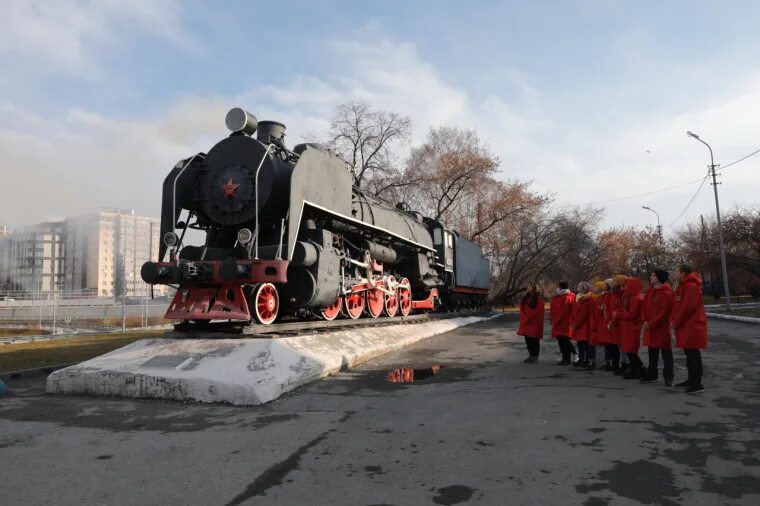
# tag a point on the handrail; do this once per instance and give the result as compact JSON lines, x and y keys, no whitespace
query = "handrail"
{"x":174,"y":193}
{"x":256,"y":236}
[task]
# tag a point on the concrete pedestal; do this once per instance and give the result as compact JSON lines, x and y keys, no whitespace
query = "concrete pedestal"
{"x":236,"y":371}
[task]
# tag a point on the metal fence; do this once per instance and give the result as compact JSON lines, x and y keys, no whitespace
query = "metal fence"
{"x":67,"y":312}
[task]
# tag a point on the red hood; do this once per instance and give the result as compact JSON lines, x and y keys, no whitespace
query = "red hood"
{"x":692,"y":278}
{"x":665,"y":287}
{"x":633,"y":286}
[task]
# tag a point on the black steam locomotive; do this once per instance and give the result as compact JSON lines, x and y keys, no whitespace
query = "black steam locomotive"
{"x":286,"y":232}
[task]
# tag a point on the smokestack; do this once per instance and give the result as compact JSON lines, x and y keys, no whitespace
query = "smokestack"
{"x":270,"y":130}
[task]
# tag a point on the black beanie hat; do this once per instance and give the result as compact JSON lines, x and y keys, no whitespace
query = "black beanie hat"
{"x":662,"y":276}
{"x":563,"y":285}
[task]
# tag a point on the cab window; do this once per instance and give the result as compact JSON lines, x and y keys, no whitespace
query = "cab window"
{"x":437,"y":239}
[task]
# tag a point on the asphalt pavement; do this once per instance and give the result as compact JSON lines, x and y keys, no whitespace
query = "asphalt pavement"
{"x":487,"y":430}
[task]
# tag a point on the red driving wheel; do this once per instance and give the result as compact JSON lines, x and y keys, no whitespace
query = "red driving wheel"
{"x":405,"y":297}
{"x":375,"y":302}
{"x":391,"y":299}
{"x":332,"y":311}
{"x":265,"y":303}
{"x":354,"y":305}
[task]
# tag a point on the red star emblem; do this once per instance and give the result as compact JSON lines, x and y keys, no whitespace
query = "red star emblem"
{"x":229,"y":188}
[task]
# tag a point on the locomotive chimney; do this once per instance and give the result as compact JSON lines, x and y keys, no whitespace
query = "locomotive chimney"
{"x":241,"y":121}
{"x":269,"y":131}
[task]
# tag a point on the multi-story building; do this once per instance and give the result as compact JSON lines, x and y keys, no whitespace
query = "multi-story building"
{"x":34,"y":257}
{"x":98,"y":254}
{"x":105,"y":251}
{"x":5,"y":250}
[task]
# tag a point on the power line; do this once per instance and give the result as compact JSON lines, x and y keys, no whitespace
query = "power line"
{"x":741,"y":159}
{"x":617,"y":199}
{"x":690,"y":202}
{"x":666,"y":188}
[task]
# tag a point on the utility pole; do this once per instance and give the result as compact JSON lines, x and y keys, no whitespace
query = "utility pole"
{"x":720,"y":227}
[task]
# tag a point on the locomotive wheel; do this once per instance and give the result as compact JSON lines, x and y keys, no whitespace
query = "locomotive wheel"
{"x":405,"y":297}
{"x":391,"y":301}
{"x":265,"y":303}
{"x":331,"y":312}
{"x":375,"y":302}
{"x":354,"y":305}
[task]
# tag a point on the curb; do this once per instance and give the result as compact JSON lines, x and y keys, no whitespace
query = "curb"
{"x":744,"y":319}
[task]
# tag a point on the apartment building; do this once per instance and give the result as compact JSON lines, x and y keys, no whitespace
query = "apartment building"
{"x":98,"y":254}
{"x":33,"y":257}
{"x":106,"y":250}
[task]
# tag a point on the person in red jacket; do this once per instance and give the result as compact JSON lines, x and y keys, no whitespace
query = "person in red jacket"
{"x":629,"y":318}
{"x":560,"y":314}
{"x":532,"y":322}
{"x":582,"y":319}
{"x":655,"y":317}
{"x":604,"y":338}
{"x":690,"y":325}
{"x":615,"y":302}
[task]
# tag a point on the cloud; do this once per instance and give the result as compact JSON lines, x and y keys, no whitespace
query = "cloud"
{"x":82,"y":160}
{"x":69,"y":36}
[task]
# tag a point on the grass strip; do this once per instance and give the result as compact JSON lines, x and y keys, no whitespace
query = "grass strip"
{"x":32,"y":355}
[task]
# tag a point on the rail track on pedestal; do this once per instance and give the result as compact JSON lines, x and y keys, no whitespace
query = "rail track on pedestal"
{"x":289,"y":329}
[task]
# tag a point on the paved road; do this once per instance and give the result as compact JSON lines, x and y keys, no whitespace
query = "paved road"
{"x":488,"y":430}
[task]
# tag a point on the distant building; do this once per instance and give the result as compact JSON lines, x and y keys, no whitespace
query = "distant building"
{"x":98,"y":254}
{"x":33,"y":257}
{"x":5,"y":230}
{"x":105,"y":251}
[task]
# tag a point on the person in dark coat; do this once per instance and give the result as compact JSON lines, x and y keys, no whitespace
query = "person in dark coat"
{"x":690,"y":325}
{"x":532,"y":322}
{"x":655,"y":317}
{"x":560,"y":314}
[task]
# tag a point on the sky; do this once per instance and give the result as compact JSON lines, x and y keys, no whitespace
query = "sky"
{"x":590,"y":100}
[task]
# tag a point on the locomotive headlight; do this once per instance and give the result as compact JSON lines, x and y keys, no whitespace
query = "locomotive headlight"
{"x":171,"y":239}
{"x":244,"y":236}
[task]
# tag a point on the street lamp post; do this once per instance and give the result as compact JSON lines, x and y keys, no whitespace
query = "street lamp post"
{"x":720,"y":227}
{"x":659,"y":227}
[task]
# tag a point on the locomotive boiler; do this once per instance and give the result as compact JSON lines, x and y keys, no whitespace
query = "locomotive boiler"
{"x":287,"y":233}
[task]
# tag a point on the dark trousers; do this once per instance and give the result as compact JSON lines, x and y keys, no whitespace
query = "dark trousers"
{"x":694,"y":366}
{"x":636,"y":363}
{"x":613,"y":352}
{"x":582,"y":351}
{"x":591,"y":353}
{"x":534,"y":345}
{"x":565,"y":347}
{"x":667,"y":359}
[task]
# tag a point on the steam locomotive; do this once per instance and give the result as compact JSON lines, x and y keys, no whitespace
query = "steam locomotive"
{"x":287,"y":233}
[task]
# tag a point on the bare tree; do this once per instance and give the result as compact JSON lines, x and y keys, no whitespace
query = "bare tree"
{"x":538,"y":246}
{"x":366,"y":139}
{"x":452,"y":166}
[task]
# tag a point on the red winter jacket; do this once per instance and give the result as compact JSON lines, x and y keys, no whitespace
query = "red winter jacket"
{"x":561,"y":313}
{"x":629,"y":316}
{"x":532,"y":319}
{"x":658,"y":305}
{"x":613,"y":303}
{"x":603,"y":335}
{"x":688,"y":316}
{"x":582,"y":318}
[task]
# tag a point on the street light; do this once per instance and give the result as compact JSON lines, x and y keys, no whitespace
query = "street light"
{"x":659,"y":228}
{"x":720,"y":227}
